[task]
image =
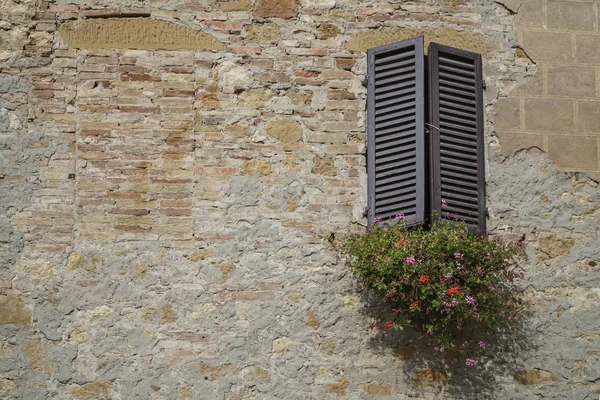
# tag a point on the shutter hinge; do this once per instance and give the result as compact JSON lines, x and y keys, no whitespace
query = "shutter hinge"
{"x":487,"y":213}
{"x":366,"y":212}
{"x":484,"y":85}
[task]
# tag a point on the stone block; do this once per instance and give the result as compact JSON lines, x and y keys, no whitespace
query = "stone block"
{"x":588,"y":117}
{"x":574,"y":153}
{"x":548,"y":47}
{"x":587,"y":49}
{"x":530,"y":14}
{"x":375,"y":389}
{"x":276,"y":8}
{"x":368,"y":39}
{"x":13,"y":311}
{"x":233,"y":5}
{"x":570,"y":15}
{"x":512,"y":142}
{"x":534,"y":377}
{"x":135,"y":33}
{"x":429,"y":376}
{"x":571,"y":81}
{"x":327,"y":31}
{"x":324,"y":166}
{"x":266,"y":33}
{"x":286,"y":131}
{"x":549,"y":115}
{"x":257,"y":167}
{"x":508,"y":114}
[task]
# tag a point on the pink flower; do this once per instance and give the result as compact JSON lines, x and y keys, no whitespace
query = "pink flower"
{"x":458,"y":256}
{"x":410,"y":260}
{"x":469,"y":300}
{"x":399,"y":216}
{"x":376,"y":220}
{"x":481,"y":344}
{"x":339,"y":244}
{"x":444,"y":204}
{"x":470,"y":362}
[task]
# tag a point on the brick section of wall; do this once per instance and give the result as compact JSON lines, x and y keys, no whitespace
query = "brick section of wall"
{"x":557,"y":110}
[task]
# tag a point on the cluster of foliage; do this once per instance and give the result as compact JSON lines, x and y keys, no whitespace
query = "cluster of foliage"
{"x":444,"y":281}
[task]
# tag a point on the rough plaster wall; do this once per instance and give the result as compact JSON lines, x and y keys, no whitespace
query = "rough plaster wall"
{"x":163,"y":212}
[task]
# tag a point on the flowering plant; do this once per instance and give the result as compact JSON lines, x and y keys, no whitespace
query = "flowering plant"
{"x":448,"y":282}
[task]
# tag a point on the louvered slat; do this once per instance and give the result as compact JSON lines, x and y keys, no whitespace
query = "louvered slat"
{"x":396,"y":137}
{"x":457,"y":148}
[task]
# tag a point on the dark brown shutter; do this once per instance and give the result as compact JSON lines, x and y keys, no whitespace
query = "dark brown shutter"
{"x":396,"y":142}
{"x":457,"y":142}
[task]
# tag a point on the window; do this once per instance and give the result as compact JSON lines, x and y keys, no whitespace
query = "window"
{"x":425,"y":144}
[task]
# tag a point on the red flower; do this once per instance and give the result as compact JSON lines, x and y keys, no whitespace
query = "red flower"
{"x":424,"y":278}
{"x":454,"y":290}
{"x":402,"y":242}
{"x":388,"y":324}
{"x":443,"y":280}
{"x":372,"y":326}
{"x":415,"y":303}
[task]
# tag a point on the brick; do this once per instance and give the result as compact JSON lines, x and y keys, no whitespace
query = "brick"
{"x":301,"y":51}
{"x":548,"y":47}
{"x":549,"y":115}
{"x":571,"y":81}
{"x":530,"y":13}
{"x":512,"y":142}
{"x":574,"y":153}
{"x":570,"y":15}
{"x":508,"y":114}
{"x":589,"y":117}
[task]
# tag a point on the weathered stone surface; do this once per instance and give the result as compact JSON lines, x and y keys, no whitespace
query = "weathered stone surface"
{"x":257,"y":167}
{"x":233,"y":5}
{"x":572,"y":16}
{"x":534,"y":377}
{"x":553,"y":245}
{"x":300,"y":97}
{"x":548,"y":46}
{"x":7,"y":386}
{"x":549,"y":115}
{"x":276,"y":8}
{"x":324,"y":166}
{"x":429,"y":376}
{"x":227,"y":269}
{"x":571,"y":81}
{"x":474,"y":42}
{"x":75,"y":260}
{"x":135,"y":33}
{"x":574,"y":153}
{"x":255,"y":98}
{"x":265,"y":33}
{"x":178,"y":274}
{"x":35,"y":268}
{"x":327,"y":31}
{"x":13,"y":311}
{"x":375,"y":389}
{"x":98,"y":390}
{"x":312,"y":320}
{"x":338,"y":388}
{"x":286,"y":131}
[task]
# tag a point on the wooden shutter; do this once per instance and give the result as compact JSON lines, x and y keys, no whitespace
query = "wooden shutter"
{"x":396,"y":145}
{"x":457,"y":141}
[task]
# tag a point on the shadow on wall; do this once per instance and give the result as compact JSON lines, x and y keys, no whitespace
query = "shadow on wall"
{"x":424,"y":367}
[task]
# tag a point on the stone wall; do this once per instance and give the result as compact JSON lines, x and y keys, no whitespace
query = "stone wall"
{"x":164,"y":207}
{"x":558,"y":111}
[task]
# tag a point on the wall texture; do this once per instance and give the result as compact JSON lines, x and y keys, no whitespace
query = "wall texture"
{"x":558,"y":111}
{"x":164,"y":205}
